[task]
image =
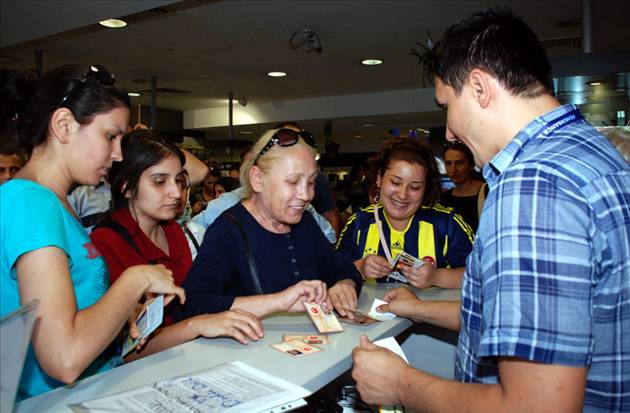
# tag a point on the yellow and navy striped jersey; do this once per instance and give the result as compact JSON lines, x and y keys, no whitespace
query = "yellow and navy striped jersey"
{"x":435,"y":232}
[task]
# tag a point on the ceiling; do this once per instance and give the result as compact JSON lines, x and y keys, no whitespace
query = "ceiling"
{"x":201,"y":51}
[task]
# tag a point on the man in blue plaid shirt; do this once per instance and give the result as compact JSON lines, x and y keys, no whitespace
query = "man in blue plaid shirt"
{"x":544,"y":319}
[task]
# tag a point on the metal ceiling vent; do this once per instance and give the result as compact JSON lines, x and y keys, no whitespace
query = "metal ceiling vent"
{"x":306,"y":37}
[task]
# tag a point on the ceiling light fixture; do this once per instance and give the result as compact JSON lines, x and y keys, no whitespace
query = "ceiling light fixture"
{"x":367,"y":125}
{"x":358,"y":136}
{"x":594,"y":83}
{"x":113,"y":23}
{"x":133,"y":94}
{"x":371,"y":62}
{"x":276,"y":74}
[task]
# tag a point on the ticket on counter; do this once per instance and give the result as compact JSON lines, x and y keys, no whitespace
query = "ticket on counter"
{"x":360,"y":318}
{"x":307,"y":338}
{"x":296,"y":348}
{"x":324,"y":322}
{"x":149,"y":319}
{"x":380,"y":316}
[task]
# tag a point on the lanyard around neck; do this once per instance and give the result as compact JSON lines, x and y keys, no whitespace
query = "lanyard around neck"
{"x":381,"y":236}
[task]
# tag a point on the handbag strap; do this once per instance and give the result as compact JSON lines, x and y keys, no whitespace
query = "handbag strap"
{"x":248,"y":252}
{"x":124,"y":234}
{"x":191,"y":236}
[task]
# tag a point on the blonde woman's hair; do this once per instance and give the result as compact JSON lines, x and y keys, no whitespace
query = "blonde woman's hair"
{"x":267,"y":161}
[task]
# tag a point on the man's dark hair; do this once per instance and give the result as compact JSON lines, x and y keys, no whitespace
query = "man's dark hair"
{"x":497,"y":42}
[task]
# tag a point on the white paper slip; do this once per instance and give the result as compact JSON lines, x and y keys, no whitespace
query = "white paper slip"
{"x":380,"y":316}
{"x":391,"y":344}
{"x":150,"y":319}
{"x":228,"y":387}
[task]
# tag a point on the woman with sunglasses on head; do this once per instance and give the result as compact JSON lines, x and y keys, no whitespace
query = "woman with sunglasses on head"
{"x":468,"y":195}
{"x":71,"y":124}
{"x":408,"y":219}
{"x":146,"y":192}
{"x":265,"y":255}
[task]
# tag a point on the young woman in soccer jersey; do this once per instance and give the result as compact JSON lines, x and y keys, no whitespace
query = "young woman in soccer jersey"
{"x":70,"y":122}
{"x":410,"y":220}
{"x":146,"y":192}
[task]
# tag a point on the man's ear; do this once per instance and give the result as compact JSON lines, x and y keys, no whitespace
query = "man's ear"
{"x":256,"y":179}
{"x":481,"y":86}
{"x":62,"y":124}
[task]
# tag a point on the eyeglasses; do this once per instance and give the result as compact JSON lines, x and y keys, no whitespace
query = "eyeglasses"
{"x":96,"y":73}
{"x":287,"y":137}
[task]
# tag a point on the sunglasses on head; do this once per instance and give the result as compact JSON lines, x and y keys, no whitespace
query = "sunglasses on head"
{"x":287,"y":137}
{"x":96,"y":73}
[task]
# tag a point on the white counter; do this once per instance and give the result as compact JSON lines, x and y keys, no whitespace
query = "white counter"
{"x":312,"y":372}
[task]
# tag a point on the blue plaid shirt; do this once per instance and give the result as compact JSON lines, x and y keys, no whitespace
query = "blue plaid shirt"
{"x":549,"y":276}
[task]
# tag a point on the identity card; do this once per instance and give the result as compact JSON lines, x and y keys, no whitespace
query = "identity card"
{"x":149,"y":319}
{"x":325,"y":322}
{"x":408,"y":259}
{"x":296,"y":348}
{"x":307,"y":338}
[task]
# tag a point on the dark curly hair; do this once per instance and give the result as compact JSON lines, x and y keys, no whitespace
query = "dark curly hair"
{"x":412,"y":151}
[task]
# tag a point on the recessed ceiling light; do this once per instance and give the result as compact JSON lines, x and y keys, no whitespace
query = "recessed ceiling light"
{"x":358,"y":136}
{"x":371,"y":62}
{"x":133,"y":94}
{"x":113,"y":23}
{"x":594,"y":83}
{"x":367,"y":125}
{"x":276,"y":74}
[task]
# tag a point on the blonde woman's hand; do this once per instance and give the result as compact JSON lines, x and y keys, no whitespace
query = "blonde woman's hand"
{"x":308,"y":291}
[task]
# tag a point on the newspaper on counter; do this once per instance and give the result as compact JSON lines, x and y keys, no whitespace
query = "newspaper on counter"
{"x":228,"y":387}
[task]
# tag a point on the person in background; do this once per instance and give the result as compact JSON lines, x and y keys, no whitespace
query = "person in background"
{"x":199,"y":200}
{"x":264,"y":255}
{"x":543,"y":322}
{"x":70,"y":124}
{"x":12,"y":83}
{"x":225,"y":184}
{"x":468,"y":195}
{"x":233,"y":172}
{"x":147,"y":188}
{"x":409,"y":220}
{"x":194,"y":232}
{"x":11,"y":161}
